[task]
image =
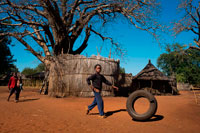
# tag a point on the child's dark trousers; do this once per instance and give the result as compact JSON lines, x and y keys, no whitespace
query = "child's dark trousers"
{"x":99,"y":102}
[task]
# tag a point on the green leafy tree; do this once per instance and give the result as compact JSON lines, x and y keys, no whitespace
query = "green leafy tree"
{"x":6,"y":58}
{"x":181,"y":62}
{"x":14,"y":68}
{"x":40,"y":67}
{"x":122,"y":70}
{"x":28,"y":71}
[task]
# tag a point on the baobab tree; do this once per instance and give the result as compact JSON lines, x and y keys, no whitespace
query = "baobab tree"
{"x":190,"y":20}
{"x":55,"y":25}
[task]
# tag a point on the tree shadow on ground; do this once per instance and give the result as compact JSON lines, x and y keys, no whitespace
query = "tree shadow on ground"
{"x":28,"y":100}
{"x":152,"y":119}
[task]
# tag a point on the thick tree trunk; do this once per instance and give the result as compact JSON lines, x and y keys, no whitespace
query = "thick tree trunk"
{"x":63,"y":47}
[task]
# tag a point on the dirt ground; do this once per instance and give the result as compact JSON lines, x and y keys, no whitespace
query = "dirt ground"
{"x":36,"y":113}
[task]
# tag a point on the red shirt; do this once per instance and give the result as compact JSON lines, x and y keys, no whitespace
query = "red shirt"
{"x":12,"y":82}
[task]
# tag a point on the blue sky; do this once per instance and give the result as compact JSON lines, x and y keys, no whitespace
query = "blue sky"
{"x":140,"y":45}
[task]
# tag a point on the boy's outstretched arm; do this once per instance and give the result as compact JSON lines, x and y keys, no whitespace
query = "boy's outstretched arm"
{"x":115,"y":87}
{"x":109,"y":83}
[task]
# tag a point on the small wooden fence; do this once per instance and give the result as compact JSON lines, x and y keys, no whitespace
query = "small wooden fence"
{"x":32,"y":82}
{"x":196,"y":92}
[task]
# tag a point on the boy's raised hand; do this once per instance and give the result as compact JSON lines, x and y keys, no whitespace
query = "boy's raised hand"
{"x":115,"y":87}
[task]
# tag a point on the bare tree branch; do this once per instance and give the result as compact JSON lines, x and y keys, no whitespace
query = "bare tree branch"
{"x":29,"y":48}
{"x":192,"y":47}
{"x":190,"y":21}
{"x":40,"y":40}
{"x":120,"y":50}
{"x":84,"y":44}
{"x":56,"y":25}
{"x":27,"y":7}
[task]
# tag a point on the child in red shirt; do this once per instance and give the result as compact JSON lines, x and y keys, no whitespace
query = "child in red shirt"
{"x":13,"y":87}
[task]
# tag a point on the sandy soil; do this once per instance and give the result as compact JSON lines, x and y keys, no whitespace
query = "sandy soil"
{"x":39,"y":113}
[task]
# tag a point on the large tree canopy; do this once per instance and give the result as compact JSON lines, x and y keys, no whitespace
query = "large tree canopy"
{"x":190,"y":21}
{"x":6,"y":58}
{"x":55,"y":25}
{"x":181,"y":62}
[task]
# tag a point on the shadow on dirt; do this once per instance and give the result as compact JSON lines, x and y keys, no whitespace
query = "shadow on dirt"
{"x":29,"y":100}
{"x":109,"y":113}
{"x":93,"y":113}
{"x":152,"y":119}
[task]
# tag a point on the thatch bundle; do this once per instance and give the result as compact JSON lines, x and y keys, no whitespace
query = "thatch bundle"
{"x":68,"y":74}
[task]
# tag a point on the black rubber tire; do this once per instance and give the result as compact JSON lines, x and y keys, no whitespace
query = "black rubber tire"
{"x":141,"y":94}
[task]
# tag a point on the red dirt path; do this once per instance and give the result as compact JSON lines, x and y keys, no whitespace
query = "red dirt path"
{"x":39,"y":113}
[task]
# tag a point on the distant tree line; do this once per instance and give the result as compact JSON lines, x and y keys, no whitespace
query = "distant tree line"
{"x":181,"y":62}
{"x":28,"y":71}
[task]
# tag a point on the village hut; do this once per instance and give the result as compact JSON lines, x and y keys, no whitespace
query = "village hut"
{"x":34,"y":80}
{"x":37,"y":76}
{"x":154,"y":81}
{"x":124,"y":84}
{"x":68,"y":74}
{"x":4,"y":79}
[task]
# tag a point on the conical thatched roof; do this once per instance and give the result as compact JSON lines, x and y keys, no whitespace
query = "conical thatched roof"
{"x":150,"y":72}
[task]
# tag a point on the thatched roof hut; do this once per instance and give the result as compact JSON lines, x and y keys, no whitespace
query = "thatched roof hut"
{"x":153,"y":80}
{"x":38,"y":75}
{"x":150,"y":72}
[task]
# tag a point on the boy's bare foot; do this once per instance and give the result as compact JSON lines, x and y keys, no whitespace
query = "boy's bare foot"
{"x":102,"y":116}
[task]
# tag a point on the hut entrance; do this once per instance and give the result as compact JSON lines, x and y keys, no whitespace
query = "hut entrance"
{"x":156,"y":87}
